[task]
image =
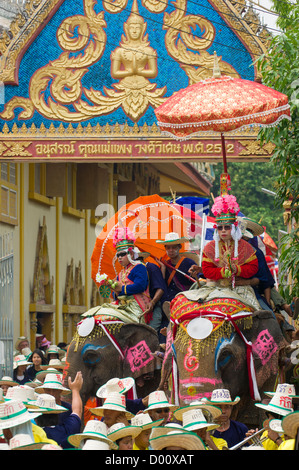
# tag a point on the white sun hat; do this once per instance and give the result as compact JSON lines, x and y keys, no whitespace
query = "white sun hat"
{"x":158,"y":399}
{"x":13,"y":413}
{"x":120,"y":430}
{"x":33,"y":383}
{"x":45,"y":404}
{"x":279,"y":404}
{"x":53,"y":364}
{"x":20,"y":392}
{"x":180,"y":438}
{"x":275,"y":425}
{"x":92,"y":444}
{"x":95,"y":430}
{"x":20,"y":360}
{"x":115,"y":385}
{"x":24,"y":442}
{"x":42,"y":373}
{"x":144,"y":421}
{"x":51,"y":447}
{"x":221,"y":396}
{"x":214,"y":411}
{"x":4,"y":446}
{"x":114,"y":401}
{"x":173,"y":238}
{"x":286,"y":389}
{"x":8,"y":381}
{"x":54,"y":382}
{"x":194,"y":419}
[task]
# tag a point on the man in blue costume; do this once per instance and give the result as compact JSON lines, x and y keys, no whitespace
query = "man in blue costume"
{"x":175,"y":261}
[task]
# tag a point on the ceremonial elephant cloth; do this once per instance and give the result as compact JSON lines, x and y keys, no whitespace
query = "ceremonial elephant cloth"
{"x":223,"y":300}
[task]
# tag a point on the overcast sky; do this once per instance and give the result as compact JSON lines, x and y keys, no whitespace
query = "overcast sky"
{"x":269,"y":19}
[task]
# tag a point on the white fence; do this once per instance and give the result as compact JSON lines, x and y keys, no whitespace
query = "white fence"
{"x":6,"y":303}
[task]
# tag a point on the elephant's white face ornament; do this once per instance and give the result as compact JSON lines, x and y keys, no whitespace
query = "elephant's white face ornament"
{"x":86,"y":326}
{"x":199,"y":328}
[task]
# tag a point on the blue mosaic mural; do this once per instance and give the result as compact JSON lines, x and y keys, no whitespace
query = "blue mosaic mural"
{"x":120,"y":73}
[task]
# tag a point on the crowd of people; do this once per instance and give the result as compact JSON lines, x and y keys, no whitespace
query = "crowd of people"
{"x":38,"y":415}
{"x":39,"y":411}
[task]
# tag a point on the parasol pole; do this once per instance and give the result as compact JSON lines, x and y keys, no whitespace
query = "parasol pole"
{"x":223,"y":153}
{"x":217,"y":74}
{"x":203,"y":234}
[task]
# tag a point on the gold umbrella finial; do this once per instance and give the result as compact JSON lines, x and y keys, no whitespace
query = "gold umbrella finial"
{"x":216,"y":69}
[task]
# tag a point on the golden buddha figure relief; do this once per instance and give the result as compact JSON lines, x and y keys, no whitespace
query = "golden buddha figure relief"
{"x":133,"y":63}
{"x":134,"y":56}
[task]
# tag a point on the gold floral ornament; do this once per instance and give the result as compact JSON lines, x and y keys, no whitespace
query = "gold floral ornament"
{"x":190,"y":50}
{"x":133,"y":62}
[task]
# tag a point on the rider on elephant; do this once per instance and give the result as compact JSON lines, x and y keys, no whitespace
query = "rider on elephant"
{"x":131,"y":287}
{"x":228,"y":259}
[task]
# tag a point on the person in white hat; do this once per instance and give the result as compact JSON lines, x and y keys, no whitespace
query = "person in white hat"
{"x":24,"y":442}
{"x":7,"y":382}
{"x":124,"y":386}
{"x":59,"y":426}
{"x":159,"y":406}
{"x":15,"y":418}
{"x":123,"y":435}
{"x":229,"y":430}
{"x":20,"y":392}
{"x":194,"y":420}
{"x":20,"y":365}
{"x":93,"y":430}
{"x":146,"y":424}
{"x":21,"y":343}
{"x":175,"y":438}
{"x":54,"y":352}
{"x":113,"y":410}
{"x":280,"y":405}
{"x":176,"y":267}
{"x":50,"y":370}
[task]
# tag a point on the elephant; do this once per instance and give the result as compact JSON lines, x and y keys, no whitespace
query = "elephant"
{"x":114,"y":349}
{"x":220,"y":359}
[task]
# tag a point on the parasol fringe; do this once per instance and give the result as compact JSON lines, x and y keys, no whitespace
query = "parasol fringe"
{"x":235,"y":119}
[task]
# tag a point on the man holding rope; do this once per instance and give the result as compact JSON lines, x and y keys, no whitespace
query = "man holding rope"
{"x":175,"y":266}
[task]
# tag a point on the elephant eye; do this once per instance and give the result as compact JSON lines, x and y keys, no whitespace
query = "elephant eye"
{"x":91,"y":354}
{"x":224,"y":358}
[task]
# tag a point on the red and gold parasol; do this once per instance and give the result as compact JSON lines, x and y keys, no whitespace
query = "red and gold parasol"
{"x":149,"y":218}
{"x":221,"y":104}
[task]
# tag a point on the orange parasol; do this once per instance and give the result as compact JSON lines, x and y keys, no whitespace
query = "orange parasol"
{"x":221,"y":104}
{"x":149,"y":218}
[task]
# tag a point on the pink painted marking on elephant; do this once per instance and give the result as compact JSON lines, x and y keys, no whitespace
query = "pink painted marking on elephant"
{"x":190,"y":361}
{"x":264,"y":346}
{"x":139,"y":356}
{"x":194,"y":383}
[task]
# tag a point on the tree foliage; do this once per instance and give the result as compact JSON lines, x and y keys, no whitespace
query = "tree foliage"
{"x":247,"y":181}
{"x":280,"y":70}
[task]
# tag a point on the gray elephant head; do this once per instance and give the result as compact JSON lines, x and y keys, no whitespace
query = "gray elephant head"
{"x":117,"y":350}
{"x":221,"y":359}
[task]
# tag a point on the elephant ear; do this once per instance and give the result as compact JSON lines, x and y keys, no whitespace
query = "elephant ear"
{"x":139,"y":342}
